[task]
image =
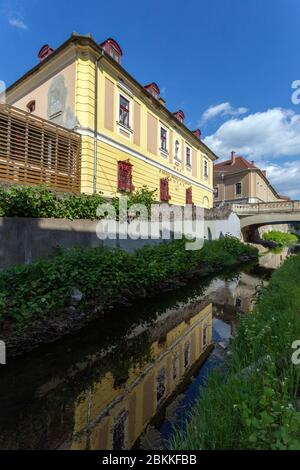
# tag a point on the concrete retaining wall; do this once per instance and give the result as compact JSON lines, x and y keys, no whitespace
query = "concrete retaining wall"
{"x":23,"y":240}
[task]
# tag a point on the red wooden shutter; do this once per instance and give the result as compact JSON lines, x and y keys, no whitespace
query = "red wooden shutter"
{"x":164,"y":190}
{"x":125,"y":176}
{"x":189,"y":196}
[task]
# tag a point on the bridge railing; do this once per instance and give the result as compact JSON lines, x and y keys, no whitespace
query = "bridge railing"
{"x":257,"y":208}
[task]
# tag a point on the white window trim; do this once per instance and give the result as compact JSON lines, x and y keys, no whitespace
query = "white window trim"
{"x":189,"y":167}
{"x":165,"y":153}
{"x":241,"y":193}
{"x":205,"y":160}
{"x":130,"y":100}
{"x":177,"y":158}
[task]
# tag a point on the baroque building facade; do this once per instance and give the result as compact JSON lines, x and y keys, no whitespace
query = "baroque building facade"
{"x":129,"y":137}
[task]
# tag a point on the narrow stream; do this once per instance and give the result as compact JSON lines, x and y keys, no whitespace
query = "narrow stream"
{"x":127,"y":379}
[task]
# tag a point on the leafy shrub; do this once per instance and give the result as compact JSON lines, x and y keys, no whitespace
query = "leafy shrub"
{"x":143,"y":196}
{"x":40,"y":201}
{"x":281,"y":238}
{"x":35,"y":291}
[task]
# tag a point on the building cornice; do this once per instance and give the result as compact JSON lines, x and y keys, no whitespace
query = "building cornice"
{"x":89,"y":42}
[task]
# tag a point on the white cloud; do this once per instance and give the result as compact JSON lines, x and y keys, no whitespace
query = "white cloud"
{"x":272,"y":133}
{"x":222,"y":109}
{"x":285,"y":178}
{"x":17,"y":23}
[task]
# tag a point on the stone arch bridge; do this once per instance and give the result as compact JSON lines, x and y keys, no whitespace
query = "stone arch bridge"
{"x":253,"y":216}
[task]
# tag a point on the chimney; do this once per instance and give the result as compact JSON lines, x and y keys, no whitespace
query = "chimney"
{"x":197,"y":133}
{"x":44,"y":52}
{"x":233,"y":157}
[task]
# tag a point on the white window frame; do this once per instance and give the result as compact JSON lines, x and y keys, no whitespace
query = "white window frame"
{"x":205,"y":162}
{"x":178,"y":158}
{"x":120,"y":126}
{"x":241,"y":193}
{"x":164,"y":152}
{"x":188,"y":167}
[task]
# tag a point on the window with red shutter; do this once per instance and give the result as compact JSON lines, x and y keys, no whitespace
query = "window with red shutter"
{"x":164,"y":190}
{"x":125,"y":176}
{"x":188,"y":196}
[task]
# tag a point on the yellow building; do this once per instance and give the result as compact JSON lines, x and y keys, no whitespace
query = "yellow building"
{"x":129,"y":138}
{"x":114,"y":415}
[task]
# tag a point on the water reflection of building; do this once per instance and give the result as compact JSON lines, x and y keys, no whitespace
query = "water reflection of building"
{"x":273,"y":260}
{"x":114,"y":413}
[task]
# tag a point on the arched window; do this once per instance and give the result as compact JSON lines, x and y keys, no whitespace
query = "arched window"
{"x":31,"y":106}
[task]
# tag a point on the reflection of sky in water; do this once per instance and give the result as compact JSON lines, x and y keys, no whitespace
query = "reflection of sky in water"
{"x":221,"y":331}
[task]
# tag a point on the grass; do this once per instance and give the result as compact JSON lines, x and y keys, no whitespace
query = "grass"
{"x":251,"y":403}
{"x":281,"y":238}
{"x":37,"y":291}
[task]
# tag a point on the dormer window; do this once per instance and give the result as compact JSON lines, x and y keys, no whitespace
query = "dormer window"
{"x":153,"y":89}
{"x":44,"y":52}
{"x":197,"y":133}
{"x":31,"y":106}
{"x":114,"y":54}
{"x":179,"y":115}
{"x":113,"y":49}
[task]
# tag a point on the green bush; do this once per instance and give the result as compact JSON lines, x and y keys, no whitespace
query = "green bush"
{"x":281,"y":238}
{"x":35,"y":291}
{"x":40,"y":201}
{"x":143,"y":196}
{"x":254,"y":405}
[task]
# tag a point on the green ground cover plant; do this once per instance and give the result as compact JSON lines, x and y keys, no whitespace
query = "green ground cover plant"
{"x":40,"y":201}
{"x":35,"y":291}
{"x":252,"y":402}
{"x":281,"y":238}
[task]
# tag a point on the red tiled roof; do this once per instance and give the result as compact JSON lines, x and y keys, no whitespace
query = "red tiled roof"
{"x":240,"y":164}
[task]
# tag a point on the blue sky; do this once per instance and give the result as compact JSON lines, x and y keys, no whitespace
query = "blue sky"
{"x":229,"y":64}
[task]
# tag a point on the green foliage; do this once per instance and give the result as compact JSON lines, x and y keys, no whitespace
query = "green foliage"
{"x":143,"y":196}
{"x":31,"y":292}
{"x":40,"y":201}
{"x":281,"y":238}
{"x":253,"y":406}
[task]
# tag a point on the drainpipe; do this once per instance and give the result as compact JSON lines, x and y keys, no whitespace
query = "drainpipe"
{"x":96,"y":123}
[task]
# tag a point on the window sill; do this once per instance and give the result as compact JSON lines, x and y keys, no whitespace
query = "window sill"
{"x":189,"y":167}
{"x":123,"y":126}
{"x":164,"y":152}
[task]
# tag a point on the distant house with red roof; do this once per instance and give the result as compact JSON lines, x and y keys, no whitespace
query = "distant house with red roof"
{"x":240,"y":181}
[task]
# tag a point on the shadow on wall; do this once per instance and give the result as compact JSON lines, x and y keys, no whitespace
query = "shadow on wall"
{"x":23,"y":239}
